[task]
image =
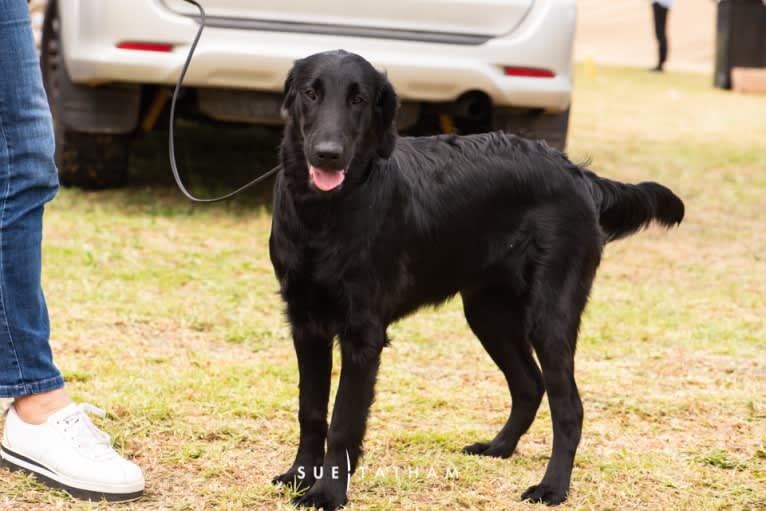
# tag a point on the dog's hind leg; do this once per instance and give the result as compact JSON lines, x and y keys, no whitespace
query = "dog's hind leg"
{"x":559,"y":295}
{"x":497,"y":317}
{"x":557,"y":361}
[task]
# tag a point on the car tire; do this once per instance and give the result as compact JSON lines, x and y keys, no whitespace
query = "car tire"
{"x":85,"y":160}
{"x":552,"y":128}
{"x":92,"y":161}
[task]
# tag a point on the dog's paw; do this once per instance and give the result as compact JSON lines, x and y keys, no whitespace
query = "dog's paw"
{"x":487,"y":449}
{"x":296,"y":479}
{"x":545,"y":494}
{"x":321,"y":496}
{"x":475,"y":449}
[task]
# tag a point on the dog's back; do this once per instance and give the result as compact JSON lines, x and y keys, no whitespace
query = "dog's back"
{"x":450,"y":172}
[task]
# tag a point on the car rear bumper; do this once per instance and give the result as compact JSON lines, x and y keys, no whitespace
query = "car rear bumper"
{"x":254,"y":59}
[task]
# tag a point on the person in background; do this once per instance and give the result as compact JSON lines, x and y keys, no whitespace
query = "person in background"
{"x":661,"y":9}
{"x":45,"y":433}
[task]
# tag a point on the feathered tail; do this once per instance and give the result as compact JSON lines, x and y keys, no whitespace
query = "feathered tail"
{"x":626,"y":208}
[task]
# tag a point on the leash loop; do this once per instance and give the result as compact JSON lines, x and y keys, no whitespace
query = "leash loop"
{"x":171,"y":145}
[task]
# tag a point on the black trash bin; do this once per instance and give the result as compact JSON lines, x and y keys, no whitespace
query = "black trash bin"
{"x":740,"y":38}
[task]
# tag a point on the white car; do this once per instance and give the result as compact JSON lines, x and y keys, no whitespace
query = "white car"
{"x":457,"y":65}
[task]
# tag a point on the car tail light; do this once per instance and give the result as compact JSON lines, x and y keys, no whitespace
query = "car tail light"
{"x":140,"y":46}
{"x":530,"y":72}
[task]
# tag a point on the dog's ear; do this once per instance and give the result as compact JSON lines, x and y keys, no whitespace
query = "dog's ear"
{"x":289,"y":94}
{"x":385,"y":111}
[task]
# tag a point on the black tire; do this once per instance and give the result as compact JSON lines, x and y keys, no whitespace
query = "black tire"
{"x":534,"y":125}
{"x":85,"y":160}
{"x":92,"y":161}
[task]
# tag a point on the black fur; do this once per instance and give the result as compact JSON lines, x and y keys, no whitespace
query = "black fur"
{"x":512,"y":225}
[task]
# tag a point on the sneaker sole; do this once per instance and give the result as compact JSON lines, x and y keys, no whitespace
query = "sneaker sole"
{"x":17,"y":463}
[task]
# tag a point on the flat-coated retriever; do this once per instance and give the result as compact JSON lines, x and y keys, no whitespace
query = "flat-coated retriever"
{"x":369,"y":226}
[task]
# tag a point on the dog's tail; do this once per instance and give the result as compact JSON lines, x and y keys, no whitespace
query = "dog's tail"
{"x":626,"y":208}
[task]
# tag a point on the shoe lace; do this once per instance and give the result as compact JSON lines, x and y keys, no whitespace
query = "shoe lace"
{"x":78,"y":427}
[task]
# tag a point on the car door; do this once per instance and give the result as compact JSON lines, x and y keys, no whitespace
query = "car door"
{"x":472,"y":18}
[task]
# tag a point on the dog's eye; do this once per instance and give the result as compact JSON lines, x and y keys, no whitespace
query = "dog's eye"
{"x":309,"y":93}
{"x":357,"y":99}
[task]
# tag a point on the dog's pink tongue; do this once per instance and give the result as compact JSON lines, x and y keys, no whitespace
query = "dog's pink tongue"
{"x":326,"y":180}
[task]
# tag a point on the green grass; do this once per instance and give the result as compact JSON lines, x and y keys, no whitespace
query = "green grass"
{"x":166,"y":314}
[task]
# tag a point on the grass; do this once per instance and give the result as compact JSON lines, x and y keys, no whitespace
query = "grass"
{"x":166,"y":314}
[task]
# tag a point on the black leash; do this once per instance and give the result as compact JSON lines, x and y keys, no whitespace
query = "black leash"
{"x":171,"y":146}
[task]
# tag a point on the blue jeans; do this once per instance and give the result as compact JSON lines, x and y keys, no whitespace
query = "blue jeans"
{"x":28,"y":179}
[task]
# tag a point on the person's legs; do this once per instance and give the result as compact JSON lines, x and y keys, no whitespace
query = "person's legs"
{"x":44,"y":434}
{"x":28,"y":179}
{"x":660,"y":31}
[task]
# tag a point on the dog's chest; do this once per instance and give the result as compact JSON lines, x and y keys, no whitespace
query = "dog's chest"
{"x":326,"y":284}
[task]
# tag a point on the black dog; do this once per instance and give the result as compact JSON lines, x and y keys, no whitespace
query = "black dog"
{"x":368,"y":227}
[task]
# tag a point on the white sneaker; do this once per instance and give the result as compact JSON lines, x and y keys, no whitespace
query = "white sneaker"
{"x":69,"y":452}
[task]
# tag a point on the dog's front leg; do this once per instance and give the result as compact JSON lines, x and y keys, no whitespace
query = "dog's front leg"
{"x":314,"y":353}
{"x":360,"y":354}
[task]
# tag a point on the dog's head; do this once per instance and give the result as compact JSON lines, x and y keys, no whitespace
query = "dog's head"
{"x":341,"y":111}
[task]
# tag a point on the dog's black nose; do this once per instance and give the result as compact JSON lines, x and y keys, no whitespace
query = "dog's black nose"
{"x":328,"y":155}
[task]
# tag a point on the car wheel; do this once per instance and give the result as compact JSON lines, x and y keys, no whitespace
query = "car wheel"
{"x":85,"y":160}
{"x":534,"y":125}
